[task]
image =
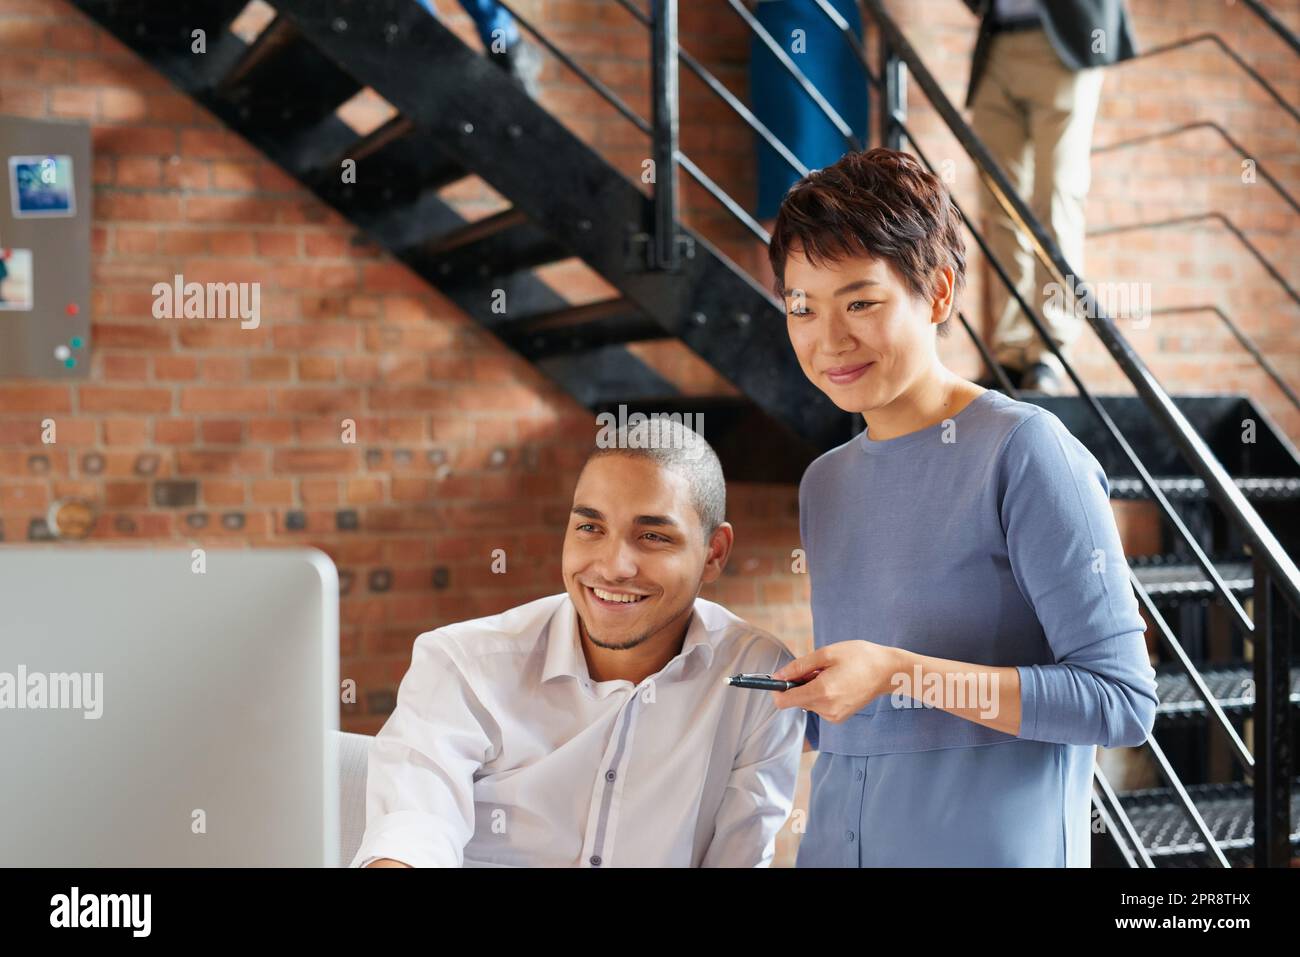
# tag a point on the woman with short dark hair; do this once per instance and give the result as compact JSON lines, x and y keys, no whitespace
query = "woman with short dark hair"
{"x":976,"y":634}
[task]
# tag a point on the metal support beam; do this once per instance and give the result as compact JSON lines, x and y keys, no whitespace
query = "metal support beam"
{"x":663,"y":58}
{"x":893,"y":96}
{"x":1273,"y":759}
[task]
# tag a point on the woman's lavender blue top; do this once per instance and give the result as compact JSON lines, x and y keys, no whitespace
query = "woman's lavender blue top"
{"x":987,"y":538}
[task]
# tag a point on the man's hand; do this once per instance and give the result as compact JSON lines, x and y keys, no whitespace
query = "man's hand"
{"x":386,"y":862}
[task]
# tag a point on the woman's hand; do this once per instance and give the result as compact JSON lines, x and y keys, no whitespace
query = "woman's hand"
{"x":846,"y":677}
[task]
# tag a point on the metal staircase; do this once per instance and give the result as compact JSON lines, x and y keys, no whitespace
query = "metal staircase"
{"x":1230,"y":526}
{"x":1268,"y":475}
{"x":459,"y":114}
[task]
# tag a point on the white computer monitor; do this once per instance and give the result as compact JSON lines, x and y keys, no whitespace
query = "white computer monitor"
{"x":198,"y":730}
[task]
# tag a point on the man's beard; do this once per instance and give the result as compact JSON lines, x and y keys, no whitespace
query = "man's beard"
{"x":640,"y":638}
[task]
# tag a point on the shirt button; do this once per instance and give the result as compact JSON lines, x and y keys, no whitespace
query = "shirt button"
{"x":858,"y":775}
{"x":849,"y":836}
{"x":595,"y":860}
{"x":610,"y":775}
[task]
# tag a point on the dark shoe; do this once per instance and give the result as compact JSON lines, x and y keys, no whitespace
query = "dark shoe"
{"x":991,"y":381}
{"x":1042,"y":378}
{"x":524,"y":63}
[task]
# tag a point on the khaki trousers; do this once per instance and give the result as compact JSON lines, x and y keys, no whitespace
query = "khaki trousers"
{"x":1036,"y":117}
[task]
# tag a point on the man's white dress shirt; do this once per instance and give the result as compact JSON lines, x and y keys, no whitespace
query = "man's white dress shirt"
{"x":502,"y":751}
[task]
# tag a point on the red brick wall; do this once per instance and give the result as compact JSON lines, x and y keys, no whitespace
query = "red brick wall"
{"x":1185,"y":175}
{"x":462,"y":447}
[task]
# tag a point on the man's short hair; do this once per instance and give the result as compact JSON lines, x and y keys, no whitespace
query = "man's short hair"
{"x":671,"y":445}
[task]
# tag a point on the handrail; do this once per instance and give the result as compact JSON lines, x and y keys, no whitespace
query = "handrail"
{"x":805,"y":84}
{"x":1274,"y":24}
{"x":643,"y":125}
{"x":1264,"y":546}
{"x":1245,"y":341}
{"x":1203,"y":124}
{"x":1207,"y":566}
{"x":1242,"y":755}
{"x":987,"y":356}
{"x":1269,"y":556}
{"x":663,"y":144}
{"x":1129,"y":830}
{"x":1213,"y":708}
{"x":1216,"y":478}
{"x":1108,"y":825}
{"x":1228,"y":224}
{"x":1239,"y":750}
{"x":610,"y":97}
{"x":1168,"y":773}
{"x":1233,"y":55}
{"x":1270,"y":179}
{"x":1224,"y":593}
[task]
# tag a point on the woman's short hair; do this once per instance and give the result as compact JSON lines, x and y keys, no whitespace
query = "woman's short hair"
{"x":879,"y":202}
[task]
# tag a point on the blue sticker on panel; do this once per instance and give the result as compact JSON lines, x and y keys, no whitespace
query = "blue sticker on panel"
{"x":41,"y":186}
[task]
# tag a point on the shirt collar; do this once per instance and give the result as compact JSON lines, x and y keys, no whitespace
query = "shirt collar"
{"x":564,"y":644}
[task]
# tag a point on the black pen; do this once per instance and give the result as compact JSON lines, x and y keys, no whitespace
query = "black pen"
{"x":762,"y":683}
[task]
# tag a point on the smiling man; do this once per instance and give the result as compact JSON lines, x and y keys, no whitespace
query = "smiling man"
{"x":594,"y":728}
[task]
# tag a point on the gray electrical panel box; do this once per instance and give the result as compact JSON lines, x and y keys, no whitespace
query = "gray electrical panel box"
{"x":45,"y":210}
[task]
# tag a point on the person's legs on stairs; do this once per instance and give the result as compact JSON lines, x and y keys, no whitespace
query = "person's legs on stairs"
{"x":496,"y":27}
{"x":502,"y":41}
{"x":1001,"y":121}
{"x":789,"y":113}
{"x":1062,"y":113}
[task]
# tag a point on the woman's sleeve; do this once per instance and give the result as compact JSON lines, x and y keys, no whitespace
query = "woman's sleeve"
{"x":1066,"y":556}
{"x":812,"y":730}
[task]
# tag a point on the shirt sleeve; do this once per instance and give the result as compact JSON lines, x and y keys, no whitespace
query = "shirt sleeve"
{"x":760,"y":792}
{"x":420,"y":774}
{"x":1066,"y":556}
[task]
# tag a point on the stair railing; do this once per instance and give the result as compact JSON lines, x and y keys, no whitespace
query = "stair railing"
{"x":1277,"y":579}
{"x":1213,"y":216}
{"x":1277,"y":26}
{"x":1241,"y":151}
{"x":1217,"y":480}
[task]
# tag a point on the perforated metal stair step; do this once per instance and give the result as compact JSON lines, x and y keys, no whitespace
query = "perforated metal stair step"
{"x":1170,"y":837}
{"x":1170,"y":578}
{"x":1184,"y":488}
{"x":1231,"y":685}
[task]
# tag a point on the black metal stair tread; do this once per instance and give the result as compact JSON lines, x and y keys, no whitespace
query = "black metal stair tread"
{"x":1166,"y":830}
{"x":283,"y":84}
{"x":467,"y":117}
{"x":483,"y":250}
{"x":279,"y":34}
{"x":581,"y":328}
{"x":1186,"y":579}
{"x":394,"y":163}
{"x":1232,"y":686}
{"x":1189,"y":487}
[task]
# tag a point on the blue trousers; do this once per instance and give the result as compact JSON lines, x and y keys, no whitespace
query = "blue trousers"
{"x":489,"y":17}
{"x":816,"y":47}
